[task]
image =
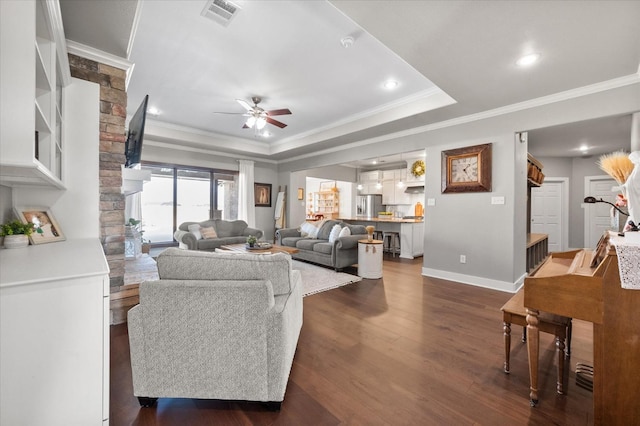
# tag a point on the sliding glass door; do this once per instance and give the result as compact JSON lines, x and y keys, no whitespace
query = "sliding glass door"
{"x":193,"y":195}
{"x":157,"y":205}
{"x":178,"y":194}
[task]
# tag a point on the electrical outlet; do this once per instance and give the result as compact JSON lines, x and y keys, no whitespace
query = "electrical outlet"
{"x":463,"y":258}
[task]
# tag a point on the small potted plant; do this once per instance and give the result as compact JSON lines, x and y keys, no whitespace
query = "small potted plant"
{"x":146,"y":246}
{"x":16,"y":234}
{"x":252,"y":240}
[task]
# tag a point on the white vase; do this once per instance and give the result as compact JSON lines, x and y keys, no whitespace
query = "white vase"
{"x":15,"y":241}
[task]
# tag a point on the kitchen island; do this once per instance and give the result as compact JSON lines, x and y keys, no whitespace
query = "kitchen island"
{"x":411,"y":232}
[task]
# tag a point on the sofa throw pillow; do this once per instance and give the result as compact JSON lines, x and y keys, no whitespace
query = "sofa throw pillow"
{"x":344,"y":232}
{"x":195,"y":230}
{"x":303,"y":230}
{"x":208,"y":232}
{"x":308,"y":229}
{"x":335,"y":231}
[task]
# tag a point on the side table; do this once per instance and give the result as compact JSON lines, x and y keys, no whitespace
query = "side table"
{"x":370,"y":259}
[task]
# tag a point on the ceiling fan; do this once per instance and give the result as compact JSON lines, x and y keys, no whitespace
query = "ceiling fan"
{"x":258,"y":117}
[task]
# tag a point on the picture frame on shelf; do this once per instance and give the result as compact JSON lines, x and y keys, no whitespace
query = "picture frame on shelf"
{"x":47,"y":229}
{"x":262,"y":194}
{"x":466,"y":169}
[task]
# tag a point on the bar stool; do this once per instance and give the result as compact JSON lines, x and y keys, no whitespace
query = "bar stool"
{"x":391,"y":240}
{"x":377,"y":235}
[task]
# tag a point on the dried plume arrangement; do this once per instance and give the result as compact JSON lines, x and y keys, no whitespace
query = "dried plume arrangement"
{"x":617,"y":165}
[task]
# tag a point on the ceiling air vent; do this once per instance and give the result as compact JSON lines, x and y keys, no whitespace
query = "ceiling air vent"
{"x":221,"y":11}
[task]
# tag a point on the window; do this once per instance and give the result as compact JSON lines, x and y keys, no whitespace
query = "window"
{"x":178,"y":194}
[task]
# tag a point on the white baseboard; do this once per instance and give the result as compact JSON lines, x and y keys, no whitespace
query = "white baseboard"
{"x":475,"y":281}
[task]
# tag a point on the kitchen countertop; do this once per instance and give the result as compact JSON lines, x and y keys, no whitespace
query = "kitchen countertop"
{"x":377,"y":219}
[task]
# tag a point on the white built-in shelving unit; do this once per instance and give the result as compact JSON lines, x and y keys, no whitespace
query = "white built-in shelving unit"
{"x":34,"y":73}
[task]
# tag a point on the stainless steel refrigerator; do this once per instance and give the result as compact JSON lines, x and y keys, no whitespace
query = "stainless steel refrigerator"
{"x":368,"y":205}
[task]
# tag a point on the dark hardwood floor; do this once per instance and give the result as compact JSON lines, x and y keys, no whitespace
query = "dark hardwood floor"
{"x":402,"y":350}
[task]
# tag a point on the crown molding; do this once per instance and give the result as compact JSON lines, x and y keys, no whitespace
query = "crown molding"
{"x":532,"y":103}
{"x":178,"y":132}
{"x":423,"y":101}
{"x":207,"y":152}
{"x":94,"y":54}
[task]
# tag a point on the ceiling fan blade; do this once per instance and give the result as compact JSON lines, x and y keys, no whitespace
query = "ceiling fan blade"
{"x":284,"y":111}
{"x":245,"y":126}
{"x":276,"y":123}
{"x":244,"y":104}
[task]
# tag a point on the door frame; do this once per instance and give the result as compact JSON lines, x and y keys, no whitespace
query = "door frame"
{"x":564,"y":215}
{"x":587,"y":185}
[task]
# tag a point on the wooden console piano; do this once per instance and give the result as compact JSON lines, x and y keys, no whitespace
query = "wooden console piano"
{"x":585,"y":284}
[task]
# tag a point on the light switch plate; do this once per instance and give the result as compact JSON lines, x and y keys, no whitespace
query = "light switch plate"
{"x":497,"y":200}
{"x":431,"y":201}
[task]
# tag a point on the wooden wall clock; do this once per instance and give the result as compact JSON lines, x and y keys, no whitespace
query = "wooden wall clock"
{"x":467,"y":169}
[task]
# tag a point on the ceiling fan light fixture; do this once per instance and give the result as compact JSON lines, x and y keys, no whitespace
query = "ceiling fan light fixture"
{"x":260,"y":123}
{"x":251,"y":121}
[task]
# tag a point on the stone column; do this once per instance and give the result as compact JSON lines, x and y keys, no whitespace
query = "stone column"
{"x":113,"y":113}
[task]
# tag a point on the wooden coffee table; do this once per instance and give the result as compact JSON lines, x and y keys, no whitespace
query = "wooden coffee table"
{"x":242,"y":248}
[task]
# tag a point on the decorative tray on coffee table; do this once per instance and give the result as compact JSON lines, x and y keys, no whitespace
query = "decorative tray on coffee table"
{"x":259,"y":246}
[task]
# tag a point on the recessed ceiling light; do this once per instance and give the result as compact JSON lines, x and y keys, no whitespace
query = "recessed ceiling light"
{"x":584,"y":148}
{"x":374,"y":162}
{"x":153,"y":111}
{"x":390,"y":84}
{"x":528,"y":60}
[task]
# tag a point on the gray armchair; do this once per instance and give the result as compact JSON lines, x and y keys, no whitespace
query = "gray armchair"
{"x":216,"y":326}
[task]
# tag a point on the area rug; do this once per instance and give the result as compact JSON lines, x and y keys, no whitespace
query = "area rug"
{"x":316,"y":279}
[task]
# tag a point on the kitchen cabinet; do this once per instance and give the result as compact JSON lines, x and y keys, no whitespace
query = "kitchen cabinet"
{"x":33,"y":74}
{"x":370,"y":183}
{"x":371,"y":188}
{"x":370,"y":177}
{"x":393,"y":188}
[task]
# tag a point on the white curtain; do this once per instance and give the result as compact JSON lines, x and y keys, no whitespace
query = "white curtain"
{"x":133,"y":207}
{"x":246,"y":198}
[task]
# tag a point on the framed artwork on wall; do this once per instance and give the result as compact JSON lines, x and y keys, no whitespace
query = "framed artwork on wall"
{"x":467,"y":169}
{"x":47,"y":229}
{"x":262,"y":194}
{"x":300,"y":193}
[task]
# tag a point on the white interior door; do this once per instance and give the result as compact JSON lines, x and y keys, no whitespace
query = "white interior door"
{"x":547,"y":203}
{"x":598,"y":216}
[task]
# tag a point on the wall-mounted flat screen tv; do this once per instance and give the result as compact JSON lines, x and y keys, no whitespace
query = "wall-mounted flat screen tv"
{"x":135,"y":134}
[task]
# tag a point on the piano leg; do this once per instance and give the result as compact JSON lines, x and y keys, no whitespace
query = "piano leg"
{"x":533,"y":344}
{"x":560,"y":351}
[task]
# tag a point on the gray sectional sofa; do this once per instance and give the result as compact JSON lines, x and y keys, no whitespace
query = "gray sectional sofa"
{"x":228,"y":232}
{"x":339,"y":254}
